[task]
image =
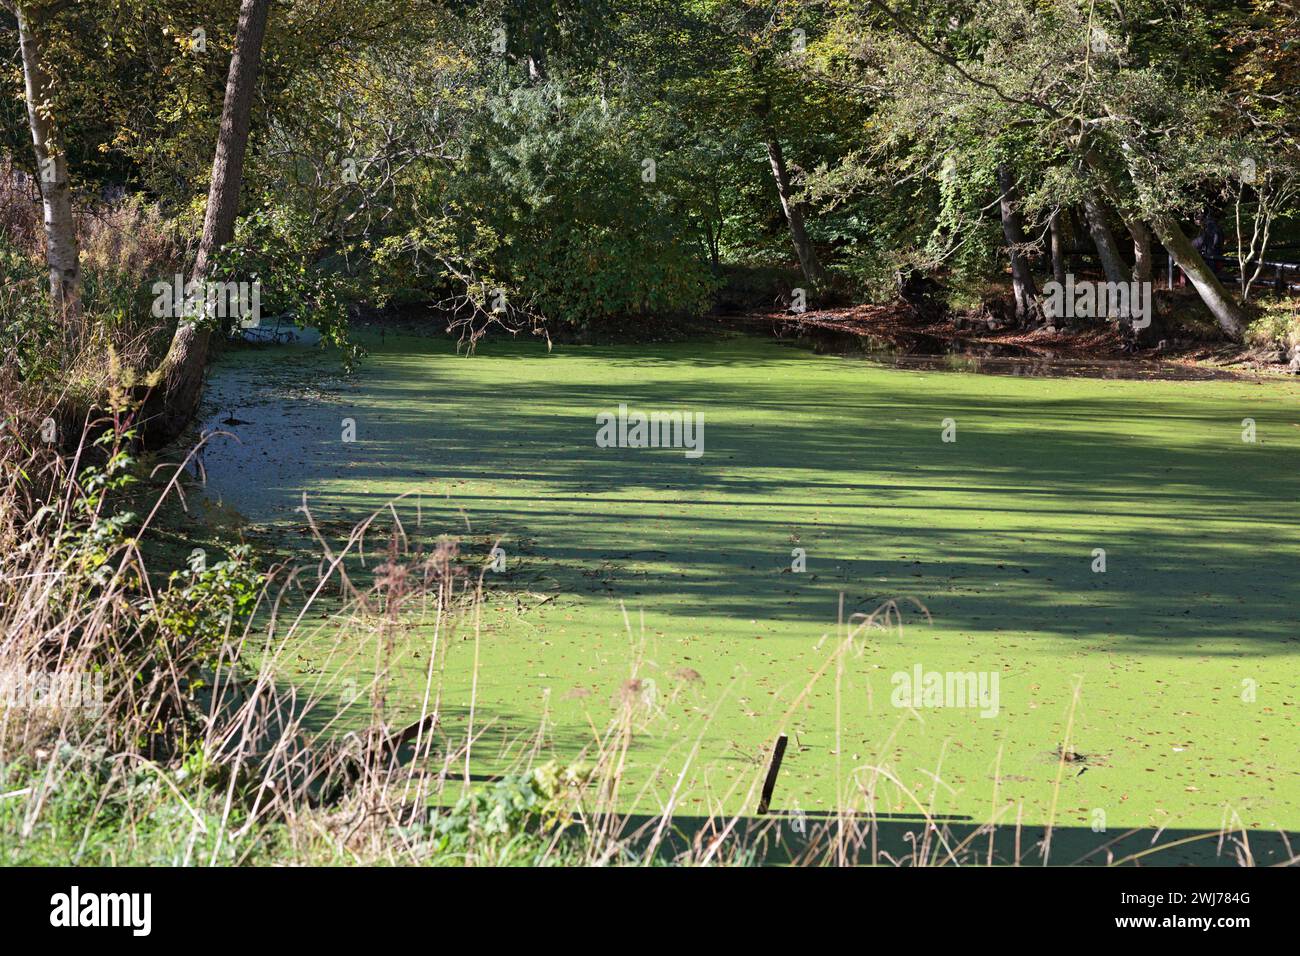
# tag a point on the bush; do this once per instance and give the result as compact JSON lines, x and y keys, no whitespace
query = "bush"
{"x":27,"y":326}
{"x":278,"y":247}
{"x":1278,"y":326}
{"x":550,"y":203}
{"x":20,"y":212}
{"x":75,"y":597}
{"x":126,"y":246}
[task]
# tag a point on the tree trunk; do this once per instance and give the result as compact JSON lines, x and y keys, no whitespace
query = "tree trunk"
{"x":1028,"y":306}
{"x":1143,"y":264}
{"x":808,"y":261}
{"x":232,"y":140}
{"x":62,"y":253}
{"x":1227,"y":313}
{"x":1058,"y":248}
{"x":1217,"y":299}
{"x":174,"y":402}
{"x":536,"y":68}
{"x":1111,"y":262}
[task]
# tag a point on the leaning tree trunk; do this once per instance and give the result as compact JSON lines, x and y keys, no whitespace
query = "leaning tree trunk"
{"x":232,"y":139}
{"x":174,"y":402}
{"x":1217,"y":299}
{"x":1028,"y":306}
{"x":1111,"y":261}
{"x":1227,"y":313}
{"x":62,"y":253}
{"x":808,"y":261}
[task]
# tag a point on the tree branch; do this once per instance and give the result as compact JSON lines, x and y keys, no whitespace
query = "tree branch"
{"x":952,"y":62}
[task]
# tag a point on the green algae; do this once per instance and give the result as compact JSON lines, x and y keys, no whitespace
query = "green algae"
{"x":1184,"y":650}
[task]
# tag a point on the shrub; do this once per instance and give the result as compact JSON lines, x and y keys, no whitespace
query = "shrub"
{"x":277,"y":246}
{"x":551,"y":204}
{"x":1278,"y":326}
{"x":126,"y":246}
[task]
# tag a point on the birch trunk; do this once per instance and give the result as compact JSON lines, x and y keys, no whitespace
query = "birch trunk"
{"x":62,"y":253}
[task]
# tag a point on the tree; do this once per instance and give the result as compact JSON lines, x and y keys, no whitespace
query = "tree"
{"x":1227,"y":313}
{"x":62,"y":252}
{"x":1028,"y":305}
{"x":175,"y":399}
{"x":743,"y":77}
{"x":1143,"y":266}
{"x":1058,"y":246}
{"x":1263,"y":85}
{"x":765,"y":67}
{"x":1112,"y":264}
{"x":1091,"y":100}
{"x":803,"y":247}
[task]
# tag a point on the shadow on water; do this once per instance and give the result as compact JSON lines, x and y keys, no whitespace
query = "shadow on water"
{"x":727,"y":519}
{"x":784,"y":837}
{"x":919,"y":351}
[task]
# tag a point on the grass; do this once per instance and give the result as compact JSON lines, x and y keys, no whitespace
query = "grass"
{"x":642,"y":572}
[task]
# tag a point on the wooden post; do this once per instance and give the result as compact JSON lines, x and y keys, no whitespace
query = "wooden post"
{"x":778,"y":754}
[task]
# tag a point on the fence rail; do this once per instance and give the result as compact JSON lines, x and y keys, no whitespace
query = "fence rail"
{"x":1280,"y":277}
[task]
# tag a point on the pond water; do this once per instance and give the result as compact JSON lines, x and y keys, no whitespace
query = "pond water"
{"x":923,"y":352}
{"x":826,"y":488}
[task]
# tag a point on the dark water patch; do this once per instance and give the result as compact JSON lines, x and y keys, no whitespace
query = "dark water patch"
{"x":785,"y":837}
{"x":922,"y":352}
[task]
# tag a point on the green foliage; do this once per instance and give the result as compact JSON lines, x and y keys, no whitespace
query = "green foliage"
{"x":1278,"y":326}
{"x":202,"y":606}
{"x":556,"y":201}
{"x":126,"y":247}
{"x":499,"y":146}
{"x":91,"y":541}
{"x":279,"y":248}
{"x":27,"y":324}
{"x":104,"y":810}
{"x":512,"y":821}
{"x":1126,"y":105}
{"x":93,"y":546}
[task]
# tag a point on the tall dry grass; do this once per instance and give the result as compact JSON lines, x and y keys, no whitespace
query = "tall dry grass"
{"x":127,"y":245}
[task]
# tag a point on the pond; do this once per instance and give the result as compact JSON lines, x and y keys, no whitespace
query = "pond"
{"x":1137,"y":540}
